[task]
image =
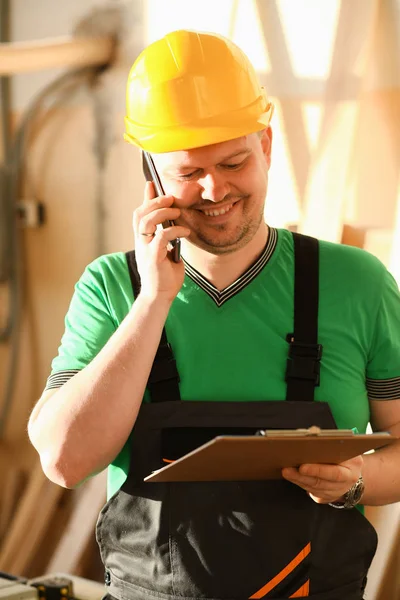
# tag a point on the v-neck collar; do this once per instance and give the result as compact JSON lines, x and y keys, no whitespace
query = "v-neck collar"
{"x":220,"y":297}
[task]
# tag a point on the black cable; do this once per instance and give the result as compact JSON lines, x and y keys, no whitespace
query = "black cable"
{"x":64,"y":86}
{"x":5,"y":126}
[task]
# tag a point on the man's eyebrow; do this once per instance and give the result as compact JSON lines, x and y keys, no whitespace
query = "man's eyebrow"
{"x":247,"y":151}
{"x":244,"y":151}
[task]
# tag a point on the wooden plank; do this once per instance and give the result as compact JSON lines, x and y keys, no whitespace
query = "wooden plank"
{"x":353,"y":236}
{"x":329,"y":183}
{"x":30,"y":522}
{"x":81,"y":525}
{"x":45,"y":548}
{"x":386,"y":521}
{"x":390,"y":581}
{"x":23,"y":57}
{"x":14,"y":482}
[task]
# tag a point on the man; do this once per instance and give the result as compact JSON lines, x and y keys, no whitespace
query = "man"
{"x":262,"y":330}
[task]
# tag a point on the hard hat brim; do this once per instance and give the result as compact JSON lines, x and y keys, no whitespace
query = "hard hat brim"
{"x":185,"y":137}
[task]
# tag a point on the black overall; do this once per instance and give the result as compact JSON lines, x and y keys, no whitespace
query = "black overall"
{"x":232,"y":540}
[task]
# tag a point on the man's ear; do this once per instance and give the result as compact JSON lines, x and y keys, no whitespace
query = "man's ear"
{"x":266,"y":144}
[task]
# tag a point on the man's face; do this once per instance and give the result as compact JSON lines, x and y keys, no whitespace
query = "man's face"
{"x":220,"y":190}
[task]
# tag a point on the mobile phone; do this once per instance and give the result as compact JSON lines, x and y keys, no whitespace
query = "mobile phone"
{"x":150,"y":173}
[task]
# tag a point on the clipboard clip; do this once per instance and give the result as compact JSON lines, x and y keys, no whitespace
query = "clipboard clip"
{"x":312,"y":431}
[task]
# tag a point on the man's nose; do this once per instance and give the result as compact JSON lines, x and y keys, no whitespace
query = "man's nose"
{"x":214,"y":187}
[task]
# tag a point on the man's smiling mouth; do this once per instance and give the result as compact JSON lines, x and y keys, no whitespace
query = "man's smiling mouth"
{"x":215,"y":212}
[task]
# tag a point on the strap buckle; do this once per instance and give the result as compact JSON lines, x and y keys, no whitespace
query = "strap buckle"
{"x":304,"y":361}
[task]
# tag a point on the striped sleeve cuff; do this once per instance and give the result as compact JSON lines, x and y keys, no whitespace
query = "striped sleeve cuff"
{"x":384,"y":389}
{"x":58,"y":379}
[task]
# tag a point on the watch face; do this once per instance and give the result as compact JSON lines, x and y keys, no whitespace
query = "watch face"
{"x":358,"y":492}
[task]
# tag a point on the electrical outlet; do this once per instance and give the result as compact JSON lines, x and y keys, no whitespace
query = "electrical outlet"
{"x":31,"y":213}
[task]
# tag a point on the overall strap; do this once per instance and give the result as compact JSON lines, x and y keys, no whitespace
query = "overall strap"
{"x":303,"y":364}
{"x":163,"y":382}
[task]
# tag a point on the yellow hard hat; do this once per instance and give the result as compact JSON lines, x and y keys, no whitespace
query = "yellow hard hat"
{"x":192,"y":89}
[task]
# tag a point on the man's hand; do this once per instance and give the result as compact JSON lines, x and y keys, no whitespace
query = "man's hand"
{"x":326,"y":483}
{"x":159,"y":275}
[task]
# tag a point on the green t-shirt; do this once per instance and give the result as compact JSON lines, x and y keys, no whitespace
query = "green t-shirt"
{"x":231,"y":345}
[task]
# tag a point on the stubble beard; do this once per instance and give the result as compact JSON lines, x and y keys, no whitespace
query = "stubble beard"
{"x":237,"y":240}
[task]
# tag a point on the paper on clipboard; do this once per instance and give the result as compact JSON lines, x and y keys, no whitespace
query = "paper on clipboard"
{"x":258,"y":457}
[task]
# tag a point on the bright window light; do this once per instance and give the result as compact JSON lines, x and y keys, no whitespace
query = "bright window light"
{"x":208,"y":15}
{"x":312,"y":113}
{"x":282,"y":208}
{"x":310,"y":28}
{"x":247,"y":32}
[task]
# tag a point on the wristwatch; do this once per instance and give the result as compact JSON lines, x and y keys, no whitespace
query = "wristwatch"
{"x":352,"y":497}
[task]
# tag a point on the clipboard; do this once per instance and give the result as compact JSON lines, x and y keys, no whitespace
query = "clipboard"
{"x":260,"y":457}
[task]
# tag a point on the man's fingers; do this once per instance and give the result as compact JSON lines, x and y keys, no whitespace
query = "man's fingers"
{"x":325,"y":483}
{"x":329,"y":476}
{"x":164,"y":236}
{"x":161,"y":242}
{"x":150,"y":206}
{"x":335,"y":473}
{"x":149,"y":222}
{"x":149,"y":191}
{"x":348,"y":471}
{"x":310,"y":483}
{"x":161,"y":238}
